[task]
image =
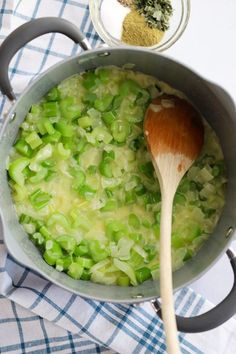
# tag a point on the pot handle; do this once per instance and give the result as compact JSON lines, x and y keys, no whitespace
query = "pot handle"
{"x":212,"y":318}
{"x":27,"y":32}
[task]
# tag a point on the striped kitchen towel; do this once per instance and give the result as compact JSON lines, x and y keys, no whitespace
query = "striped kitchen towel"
{"x":39,"y":317}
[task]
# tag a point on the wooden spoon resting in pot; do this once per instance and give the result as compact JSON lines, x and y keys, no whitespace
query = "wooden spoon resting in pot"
{"x":174,"y":134}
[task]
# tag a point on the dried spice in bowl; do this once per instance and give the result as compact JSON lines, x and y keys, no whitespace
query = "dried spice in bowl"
{"x":146,"y":23}
{"x":137,"y":32}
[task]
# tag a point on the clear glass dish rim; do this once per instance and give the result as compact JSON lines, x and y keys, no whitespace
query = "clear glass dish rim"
{"x":111,"y":41}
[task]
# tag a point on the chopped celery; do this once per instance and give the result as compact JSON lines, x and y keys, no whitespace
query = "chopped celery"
{"x":65,"y":129}
{"x":85,"y":122}
{"x":53,"y":94}
{"x":86,"y":191}
{"x":33,"y":140}
{"x":104,"y":103}
{"x":110,"y":205}
{"x":81,"y":154}
{"x":75,"y":270}
{"x":97,"y":252}
{"x":69,"y":108}
{"x":16,"y":169}
{"x":123,"y":280}
{"x":50,"y":109}
{"x":127,"y":269}
{"x":23,"y":148}
{"x":143,"y":274}
{"x":134,"y":221}
{"x":120,"y":130}
{"x":52,"y":252}
{"x":67,"y":242}
{"x":39,"y":199}
{"x":108,"y":118}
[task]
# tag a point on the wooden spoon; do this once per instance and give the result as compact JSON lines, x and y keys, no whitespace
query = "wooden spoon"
{"x":174,"y":134}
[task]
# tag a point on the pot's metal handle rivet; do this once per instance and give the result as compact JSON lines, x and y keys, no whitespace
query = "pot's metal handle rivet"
{"x":138,"y":296}
{"x":104,"y":54}
{"x":229,"y":232}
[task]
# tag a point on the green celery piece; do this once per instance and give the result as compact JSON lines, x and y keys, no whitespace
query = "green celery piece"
{"x":86,"y":191}
{"x":37,"y":239}
{"x":79,"y":179}
{"x":156,"y":230}
{"x":89,"y":97}
{"x":134,"y":221}
{"x":108,"y":154}
{"x":39,"y":176}
{"x":64,"y":153}
{"x":50,"y":109}
{"x":130,"y":197}
{"x":136,"y":237}
{"x":67,"y":242}
{"x":127,"y":269}
{"x":39,"y":199}
{"x":105,"y":168}
{"x":16,"y":169}
{"x":50,"y":175}
{"x":33,"y":140}
{"x":104,"y":103}
{"x":97,"y":252}
{"x":81,"y":145}
{"x":140,"y":189}
{"x":69,"y":108}
{"x":151,"y":251}
{"x":104,"y":75}
{"x":102,"y":134}
{"x":58,"y":218}
{"x":177,"y":241}
{"x":123,"y":280}
{"x":85,"y":262}
{"x":53,"y":138}
{"x":75,"y":270}
{"x":43,"y":154}
{"x":89,"y":81}
{"x":114,"y":228}
{"x":62,"y":264}
{"x":120,"y":130}
{"x":110,"y":205}
{"x":85,"y":122}
{"x":117,"y":102}
{"x":91,"y":170}
{"x":25,"y":219}
{"x":65,"y":129}
{"x":129,"y":86}
{"x":147,"y":169}
{"x":35,"y":109}
{"x":53,"y":94}
{"x":52,"y":252}
{"x":49,"y":127}
{"x":23,"y":148}
{"x":179,"y":199}
{"x":46,"y":234}
{"x":108,"y":118}
{"x":143,"y":274}
{"x":86,"y":275}
{"x":82,"y":249}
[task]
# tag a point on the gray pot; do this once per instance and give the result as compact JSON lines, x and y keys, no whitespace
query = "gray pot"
{"x":214,"y":104}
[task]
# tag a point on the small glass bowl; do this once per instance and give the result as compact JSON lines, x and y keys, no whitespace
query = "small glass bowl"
{"x":178,"y":23}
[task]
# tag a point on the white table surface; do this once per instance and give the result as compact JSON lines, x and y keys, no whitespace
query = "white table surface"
{"x":208,"y":45}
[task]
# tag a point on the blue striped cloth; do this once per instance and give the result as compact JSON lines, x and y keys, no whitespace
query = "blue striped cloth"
{"x":35,"y":315}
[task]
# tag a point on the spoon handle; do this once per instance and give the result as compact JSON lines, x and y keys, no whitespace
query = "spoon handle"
{"x":166,"y":287}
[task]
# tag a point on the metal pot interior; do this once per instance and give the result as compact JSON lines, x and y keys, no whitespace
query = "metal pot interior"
{"x":214,"y":105}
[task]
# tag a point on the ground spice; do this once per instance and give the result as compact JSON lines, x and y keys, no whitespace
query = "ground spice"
{"x":136,"y":31}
